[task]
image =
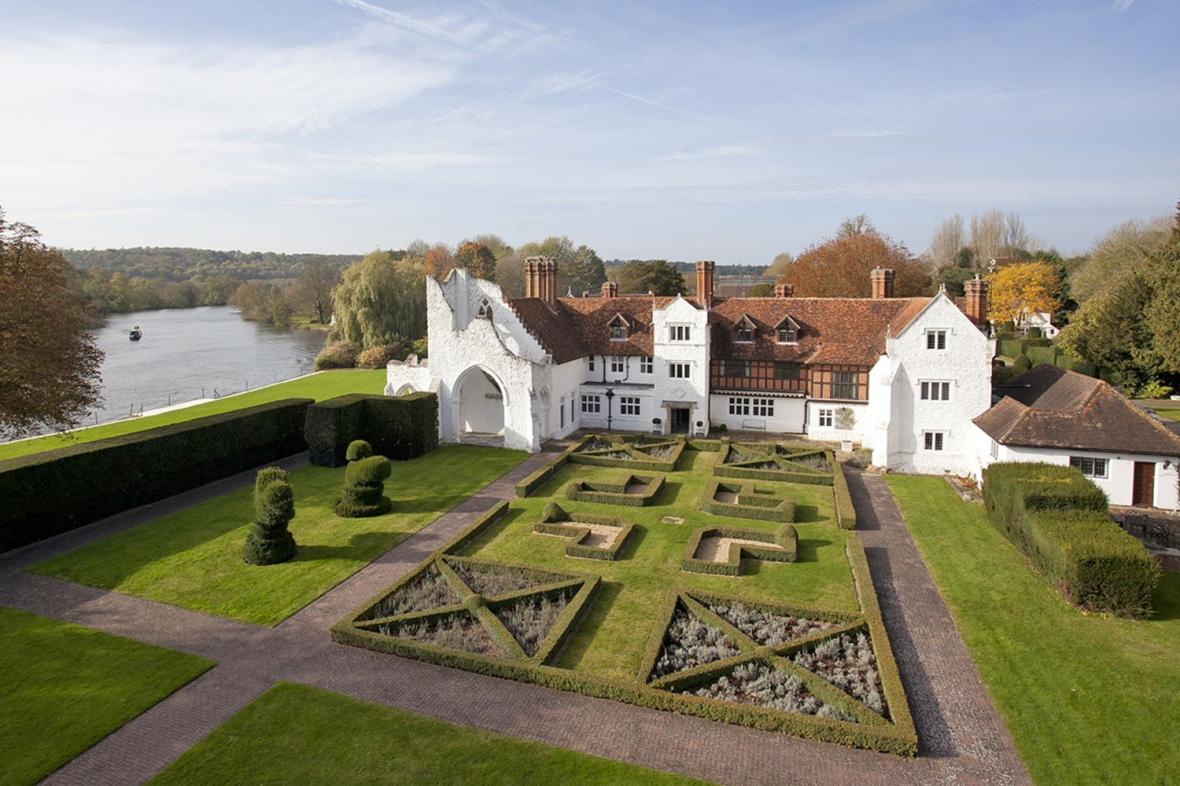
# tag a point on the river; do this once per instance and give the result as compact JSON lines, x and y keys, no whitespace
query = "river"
{"x":192,"y":353}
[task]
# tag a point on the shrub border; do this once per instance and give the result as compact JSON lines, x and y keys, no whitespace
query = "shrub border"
{"x":785,"y":539}
{"x":614,"y":493}
{"x":575,"y":535}
{"x":783,"y":512}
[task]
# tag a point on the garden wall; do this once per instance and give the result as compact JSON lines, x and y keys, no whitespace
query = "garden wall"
{"x":398,"y":427}
{"x":48,"y":493}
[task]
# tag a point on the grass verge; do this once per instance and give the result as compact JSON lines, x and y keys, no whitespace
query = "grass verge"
{"x":297,"y":734}
{"x":1088,"y":698}
{"x":193,"y":558}
{"x":64,"y":687}
{"x":322,"y":385}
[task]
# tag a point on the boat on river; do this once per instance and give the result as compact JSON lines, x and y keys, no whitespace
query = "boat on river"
{"x":136,"y":334}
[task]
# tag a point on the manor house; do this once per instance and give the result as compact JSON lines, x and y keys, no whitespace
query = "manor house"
{"x":902,"y":376}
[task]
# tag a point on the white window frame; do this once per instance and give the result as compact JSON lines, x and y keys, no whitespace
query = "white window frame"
{"x":618,"y":364}
{"x":739,"y":405}
{"x":936,"y":338}
{"x":591,"y":403}
{"x":762,"y":407}
{"x":646,"y":364}
{"x":629,"y":405}
{"x":934,"y":441}
{"x":787,"y":335}
{"x":995,"y":450}
{"x":590,"y":361}
{"x":934,"y":390}
{"x":825,"y":417}
{"x":679,"y":333}
{"x":737,"y":335}
{"x":679,"y":370}
{"x":1092,"y":470}
{"x":618,"y":332}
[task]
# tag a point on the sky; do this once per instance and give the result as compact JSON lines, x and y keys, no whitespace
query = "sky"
{"x":726,"y":131}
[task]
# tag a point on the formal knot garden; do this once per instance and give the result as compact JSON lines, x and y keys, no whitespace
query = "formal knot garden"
{"x":645,"y":572}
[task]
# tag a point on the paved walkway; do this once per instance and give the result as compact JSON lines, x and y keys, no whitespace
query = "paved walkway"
{"x":962,"y":738}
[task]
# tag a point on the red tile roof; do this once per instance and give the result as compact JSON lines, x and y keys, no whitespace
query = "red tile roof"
{"x":1050,"y":407}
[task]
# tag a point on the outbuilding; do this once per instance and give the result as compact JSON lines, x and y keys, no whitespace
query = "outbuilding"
{"x":1062,"y":417}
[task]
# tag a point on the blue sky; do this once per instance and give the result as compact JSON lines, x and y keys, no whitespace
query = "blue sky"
{"x":726,"y":131}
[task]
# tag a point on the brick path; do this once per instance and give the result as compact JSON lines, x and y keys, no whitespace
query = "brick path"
{"x":962,"y":738}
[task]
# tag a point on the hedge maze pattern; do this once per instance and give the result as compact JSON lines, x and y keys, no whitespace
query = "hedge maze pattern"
{"x":747,"y":501}
{"x":720,"y":550}
{"x":775,"y":462}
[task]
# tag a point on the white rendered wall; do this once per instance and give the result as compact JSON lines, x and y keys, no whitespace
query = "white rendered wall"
{"x":965,"y":363}
{"x":860,"y":413}
{"x":695,"y":352}
{"x":1119,"y":483}
{"x":790,"y":414}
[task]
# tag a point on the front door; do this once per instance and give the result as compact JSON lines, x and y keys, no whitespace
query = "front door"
{"x":680,"y":420}
{"x":1143,"y":492}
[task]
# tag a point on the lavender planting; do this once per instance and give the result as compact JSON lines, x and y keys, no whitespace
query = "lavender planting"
{"x":485,"y":579}
{"x":766,"y":628}
{"x":759,"y":684}
{"x":689,"y":642}
{"x":816,"y":462}
{"x":459,"y":631}
{"x":428,"y":591}
{"x":847,"y":662}
{"x":529,"y":620}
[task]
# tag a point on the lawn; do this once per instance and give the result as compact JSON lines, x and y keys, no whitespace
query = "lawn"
{"x":296,"y":734}
{"x":64,"y":687}
{"x":1088,"y":699}
{"x":1171,"y":413}
{"x":194,"y":558}
{"x":322,"y":385}
{"x":610,"y":643}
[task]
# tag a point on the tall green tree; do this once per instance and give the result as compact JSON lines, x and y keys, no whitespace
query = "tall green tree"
{"x":380,"y":300}
{"x":49,"y":364}
{"x":579,"y":268}
{"x":658,"y":276}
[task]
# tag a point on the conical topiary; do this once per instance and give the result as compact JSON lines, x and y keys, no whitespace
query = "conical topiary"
{"x":269,"y":541}
{"x":364,"y":484}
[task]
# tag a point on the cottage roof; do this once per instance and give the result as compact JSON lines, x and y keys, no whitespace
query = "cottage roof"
{"x":1050,"y":407}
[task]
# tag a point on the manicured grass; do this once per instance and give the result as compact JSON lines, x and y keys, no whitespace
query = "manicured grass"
{"x":1088,"y":699}
{"x":300,"y":735}
{"x":1171,"y":413}
{"x":64,"y":687}
{"x":322,"y":385}
{"x":611,"y":641}
{"x":194,"y":558}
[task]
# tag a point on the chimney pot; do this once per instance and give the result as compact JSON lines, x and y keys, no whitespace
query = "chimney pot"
{"x":784,"y":290}
{"x":882,"y":281}
{"x":976,"y":290}
{"x":705,"y":283}
{"x":610,"y":289}
{"x":540,"y":279}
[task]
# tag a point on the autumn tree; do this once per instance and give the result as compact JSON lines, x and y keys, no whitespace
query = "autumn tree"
{"x":49,"y":364}
{"x":312,"y":291}
{"x":1127,"y":248}
{"x":438,"y":260}
{"x":1015,"y":291}
{"x":841,"y":267}
{"x":778,"y":266}
{"x":639,"y":277}
{"x":477,"y":258}
{"x":380,"y":300}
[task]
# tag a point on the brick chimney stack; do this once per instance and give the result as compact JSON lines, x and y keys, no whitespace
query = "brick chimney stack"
{"x":882,"y":279}
{"x":705,"y":283}
{"x":976,"y":308}
{"x":540,"y":279}
{"x":784,"y":290}
{"x":610,"y":289}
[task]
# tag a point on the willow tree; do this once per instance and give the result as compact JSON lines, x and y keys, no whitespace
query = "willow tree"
{"x":49,"y":365}
{"x":380,"y":300}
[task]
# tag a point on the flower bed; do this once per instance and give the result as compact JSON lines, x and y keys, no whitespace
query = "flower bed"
{"x":759,"y":684}
{"x":847,"y":661}
{"x":764,"y":626}
{"x":457,"y":631}
{"x":775,"y":462}
{"x":690,"y":642}
{"x":428,"y":590}
{"x":602,"y":451}
{"x":530,"y":619}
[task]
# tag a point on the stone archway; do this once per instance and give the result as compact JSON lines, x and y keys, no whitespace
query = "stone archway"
{"x":481,"y":406}
{"x":406,"y":390}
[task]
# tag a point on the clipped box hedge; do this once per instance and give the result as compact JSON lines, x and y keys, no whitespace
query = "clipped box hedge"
{"x":605,"y":493}
{"x":1060,"y":520}
{"x":570,"y":527}
{"x":537,"y":478}
{"x":749,"y":505}
{"x":398,"y":427}
{"x":845,"y":510}
{"x":782,"y":545}
{"x":48,"y":493}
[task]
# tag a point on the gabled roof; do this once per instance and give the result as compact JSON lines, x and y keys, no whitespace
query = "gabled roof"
{"x":1050,"y":407}
{"x":831,"y":330}
{"x":786,"y":320}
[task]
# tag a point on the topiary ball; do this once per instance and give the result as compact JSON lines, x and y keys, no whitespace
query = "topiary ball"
{"x":358,"y":449}
{"x":266,"y":476}
{"x":371,"y":471}
{"x":274,"y":507}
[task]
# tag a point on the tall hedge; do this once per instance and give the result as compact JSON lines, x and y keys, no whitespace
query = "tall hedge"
{"x":47,"y":493}
{"x":1060,"y":520}
{"x":398,"y":427}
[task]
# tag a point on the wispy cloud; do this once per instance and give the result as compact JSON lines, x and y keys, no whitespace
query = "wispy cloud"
{"x":591,"y":79}
{"x":1121,"y":6}
{"x":414,"y":25}
{"x":719,"y":151}
{"x":657,"y":104}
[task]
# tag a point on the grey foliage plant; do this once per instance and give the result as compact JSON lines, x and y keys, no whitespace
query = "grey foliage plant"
{"x":690,"y":642}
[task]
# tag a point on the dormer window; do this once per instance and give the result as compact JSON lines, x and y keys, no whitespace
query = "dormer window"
{"x":744,"y":330}
{"x":485,"y":310}
{"x":745,"y":334}
{"x":619,"y":329}
{"x":787,"y":331}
